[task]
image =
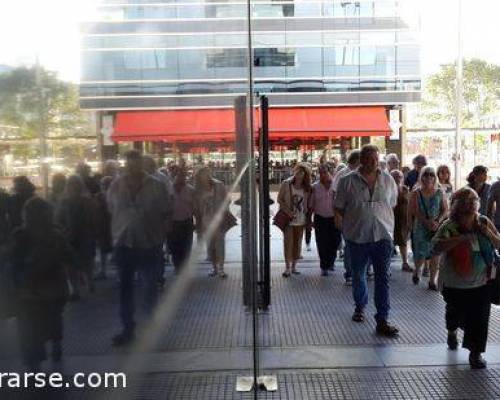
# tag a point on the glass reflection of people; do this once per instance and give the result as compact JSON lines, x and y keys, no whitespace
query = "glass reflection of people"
{"x":293,"y":199}
{"x":180,"y":236}
{"x":138,"y":206}
{"x":40,"y":257}
{"x":210,"y":194}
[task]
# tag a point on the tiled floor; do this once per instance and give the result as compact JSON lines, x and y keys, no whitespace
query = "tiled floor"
{"x":307,"y":338}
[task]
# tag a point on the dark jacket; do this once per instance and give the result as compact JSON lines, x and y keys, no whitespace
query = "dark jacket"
{"x":39,"y":264}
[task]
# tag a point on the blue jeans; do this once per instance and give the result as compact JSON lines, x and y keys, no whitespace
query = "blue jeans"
{"x":146,"y":261}
{"x":347,"y":261}
{"x":379,"y":253}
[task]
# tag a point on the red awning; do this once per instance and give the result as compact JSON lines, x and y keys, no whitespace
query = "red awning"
{"x":216,"y":125}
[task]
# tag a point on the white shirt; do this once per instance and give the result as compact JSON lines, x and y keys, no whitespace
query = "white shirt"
{"x":298,"y":207}
{"x":137,"y":222}
{"x":339,"y":175}
{"x":368,"y":217}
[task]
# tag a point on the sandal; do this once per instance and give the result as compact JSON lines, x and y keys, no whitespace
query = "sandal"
{"x":406,"y":267}
{"x":384,"y":329}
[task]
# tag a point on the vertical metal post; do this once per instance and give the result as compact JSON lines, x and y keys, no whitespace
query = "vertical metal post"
{"x":458,"y":106}
{"x":265,"y":234}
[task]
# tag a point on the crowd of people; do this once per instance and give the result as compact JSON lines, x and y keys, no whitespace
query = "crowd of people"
{"x":370,"y":207}
{"x":139,"y":215}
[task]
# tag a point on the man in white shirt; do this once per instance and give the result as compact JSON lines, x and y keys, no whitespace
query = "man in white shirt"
{"x":352,"y":165}
{"x":138,"y":206}
{"x":364,"y":202}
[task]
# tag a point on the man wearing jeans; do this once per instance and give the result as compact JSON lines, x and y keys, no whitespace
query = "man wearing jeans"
{"x":352,"y":165}
{"x":138,"y":204}
{"x":364,"y":203}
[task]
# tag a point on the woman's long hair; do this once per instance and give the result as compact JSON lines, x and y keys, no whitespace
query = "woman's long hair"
{"x":477,"y":170}
{"x":307,"y":175}
{"x":444,"y":168}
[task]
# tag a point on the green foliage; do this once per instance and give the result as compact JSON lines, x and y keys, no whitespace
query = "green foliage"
{"x":40,"y":102}
{"x":481,"y":94}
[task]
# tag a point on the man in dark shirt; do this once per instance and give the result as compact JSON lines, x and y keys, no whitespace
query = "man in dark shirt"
{"x":418,"y":162}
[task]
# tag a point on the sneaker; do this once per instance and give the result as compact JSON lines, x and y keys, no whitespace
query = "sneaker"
{"x":476,"y":361}
{"x":433,"y":286}
{"x":222,"y":274}
{"x":358,"y":315}
{"x":123,"y":339}
{"x":452,"y":341}
{"x":415,"y":279}
{"x":286,"y":274}
{"x":348,"y":282}
{"x":384,"y":329}
{"x":295,"y":272}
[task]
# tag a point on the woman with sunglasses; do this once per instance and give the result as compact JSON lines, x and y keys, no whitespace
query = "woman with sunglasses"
{"x":467,"y":241}
{"x":427,"y":209}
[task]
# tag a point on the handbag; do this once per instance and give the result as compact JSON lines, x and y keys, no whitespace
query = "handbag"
{"x":283,"y":219}
{"x":228,"y":221}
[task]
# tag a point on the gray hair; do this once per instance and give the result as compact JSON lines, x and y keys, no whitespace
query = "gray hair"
{"x":428,"y":170}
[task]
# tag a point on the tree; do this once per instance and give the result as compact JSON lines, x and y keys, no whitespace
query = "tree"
{"x":481,"y":95}
{"x":38,"y":102}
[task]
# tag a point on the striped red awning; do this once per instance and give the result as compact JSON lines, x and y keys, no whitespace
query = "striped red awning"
{"x":218,"y":125}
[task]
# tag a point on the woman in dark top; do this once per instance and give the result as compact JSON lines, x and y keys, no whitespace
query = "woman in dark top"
{"x":40,"y":258}
{"x":23,"y":190}
{"x":477,"y":181}
{"x":76,"y":216}
{"x":58,"y":188}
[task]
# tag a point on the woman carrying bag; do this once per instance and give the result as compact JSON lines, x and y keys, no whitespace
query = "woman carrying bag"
{"x":467,"y":242}
{"x":293,"y":214}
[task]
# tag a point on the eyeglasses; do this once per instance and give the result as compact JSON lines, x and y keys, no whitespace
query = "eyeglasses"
{"x":430,"y":175}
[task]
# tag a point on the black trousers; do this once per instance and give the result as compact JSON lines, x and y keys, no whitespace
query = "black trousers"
{"x":37,"y":323}
{"x":308,"y":235}
{"x":469,"y":309}
{"x":180,"y":242}
{"x":328,"y":239}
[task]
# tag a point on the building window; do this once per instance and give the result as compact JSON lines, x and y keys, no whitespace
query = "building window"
{"x":227,"y":58}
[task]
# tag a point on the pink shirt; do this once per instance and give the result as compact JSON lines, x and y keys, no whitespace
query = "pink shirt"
{"x":183,"y":203}
{"x":322,"y":200}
